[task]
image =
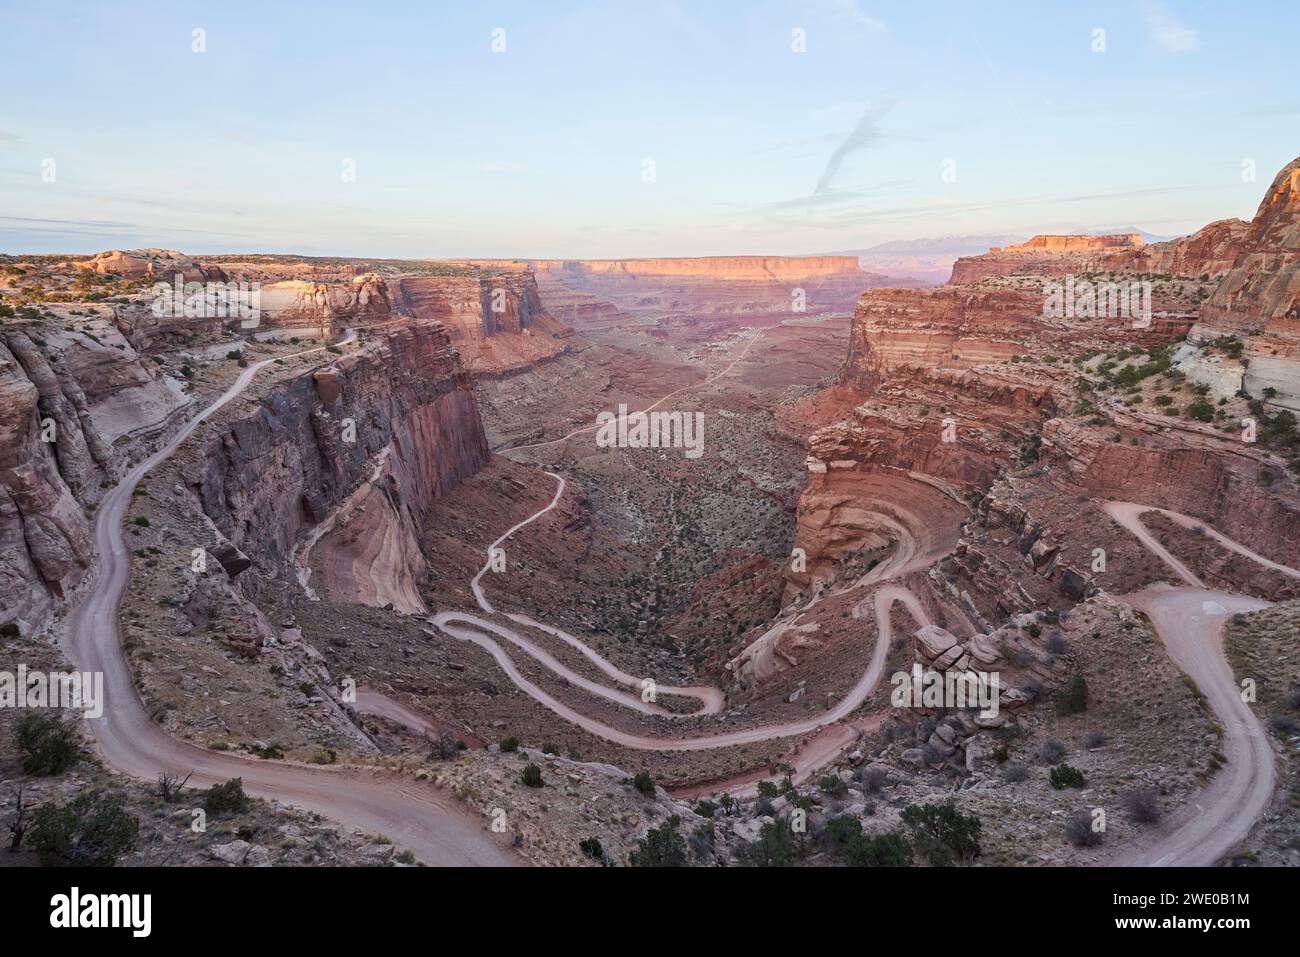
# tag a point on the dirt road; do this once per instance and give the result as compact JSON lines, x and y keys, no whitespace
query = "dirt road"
{"x":1190,"y":622}
{"x":430,"y":822}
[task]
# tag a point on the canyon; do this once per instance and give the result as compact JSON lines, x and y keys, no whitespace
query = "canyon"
{"x":374,"y":529}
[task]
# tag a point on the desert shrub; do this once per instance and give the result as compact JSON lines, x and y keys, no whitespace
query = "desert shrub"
{"x":767,"y":789}
{"x":1056,"y":644}
{"x":872,"y":779}
{"x":943,"y":834}
{"x":644,"y":783}
{"x":1000,"y":753}
{"x":590,"y":846}
{"x":91,"y":830}
{"x":891,"y":849}
{"x":1064,"y":776}
{"x":775,"y":847}
{"x":1051,"y":751}
{"x":1094,"y":739}
{"x":444,"y":747}
{"x":1080,"y":831}
{"x":1142,"y":805}
{"x":532,"y":776}
{"x":841,"y":829}
{"x":9,"y":630}
{"x":1014,"y":772}
{"x":48,"y":744}
{"x":662,"y":846}
{"x":1073,"y":698}
{"x":509,"y":745}
{"x":1284,"y":724}
{"x":832,"y":785}
{"x":550,"y":747}
{"x":702,"y":839}
{"x":228,"y":798}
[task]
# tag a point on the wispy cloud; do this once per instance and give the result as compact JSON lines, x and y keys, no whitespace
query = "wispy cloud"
{"x":8,"y":141}
{"x":863,"y":135}
{"x":1167,"y":31}
{"x":848,"y":9}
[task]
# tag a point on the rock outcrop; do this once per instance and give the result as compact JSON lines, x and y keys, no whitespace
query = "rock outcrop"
{"x":45,"y":541}
{"x":1043,"y":256}
{"x":1259,"y":299}
{"x":164,"y":264}
{"x":497,"y":324}
{"x":714,"y":289}
{"x":1210,"y":251}
{"x":957,"y":327}
{"x":393,"y":426}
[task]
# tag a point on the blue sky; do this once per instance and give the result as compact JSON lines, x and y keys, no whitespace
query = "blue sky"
{"x":541,"y":150}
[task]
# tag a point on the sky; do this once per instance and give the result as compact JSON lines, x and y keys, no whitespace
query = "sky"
{"x":629,"y":127}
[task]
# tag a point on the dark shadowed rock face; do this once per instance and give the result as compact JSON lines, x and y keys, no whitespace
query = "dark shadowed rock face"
{"x":52,"y":459}
{"x":399,"y":410}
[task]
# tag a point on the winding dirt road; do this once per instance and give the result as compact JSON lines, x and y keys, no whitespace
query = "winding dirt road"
{"x":437,"y":828}
{"x":416,"y":815}
{"x":1190,"y":623}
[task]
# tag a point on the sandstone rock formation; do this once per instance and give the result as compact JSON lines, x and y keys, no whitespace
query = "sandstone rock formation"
{"x":1259,"y":298}
{"x":268,"y":478}
{"x":161,"y":263}
{"x":712,"y":289}
{"x":45,"y":542}
{"x":1211,"y":250}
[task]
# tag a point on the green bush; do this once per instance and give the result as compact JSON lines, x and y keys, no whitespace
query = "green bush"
{"x":774,"y":848}
{"x":1064,"y":776}
{"x":942,"y":834}
{"x":509,"y":745}
{"x":591,"y":847}
{"x":92,"y":830}
{"x":842,"y":829}
{"x":1073,"y":698}
{"x":662,"y":846}
{"x":532,"y":776}
{"x":891,"y":849}
{"x":228,"y":798}
{"x":644,"y":783}
{"x":48,"y":745}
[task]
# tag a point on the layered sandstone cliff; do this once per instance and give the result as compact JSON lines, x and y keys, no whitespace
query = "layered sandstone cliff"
{"x":392,"y":426}
{"x":1259,"y":299}
{"x":957,"y":327}
{"x":50,"y":453}
{"x":1210,"y":251}
{"x":715,"y":287}
{"x":1042,"y":256}
{"x":497,"y":322}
